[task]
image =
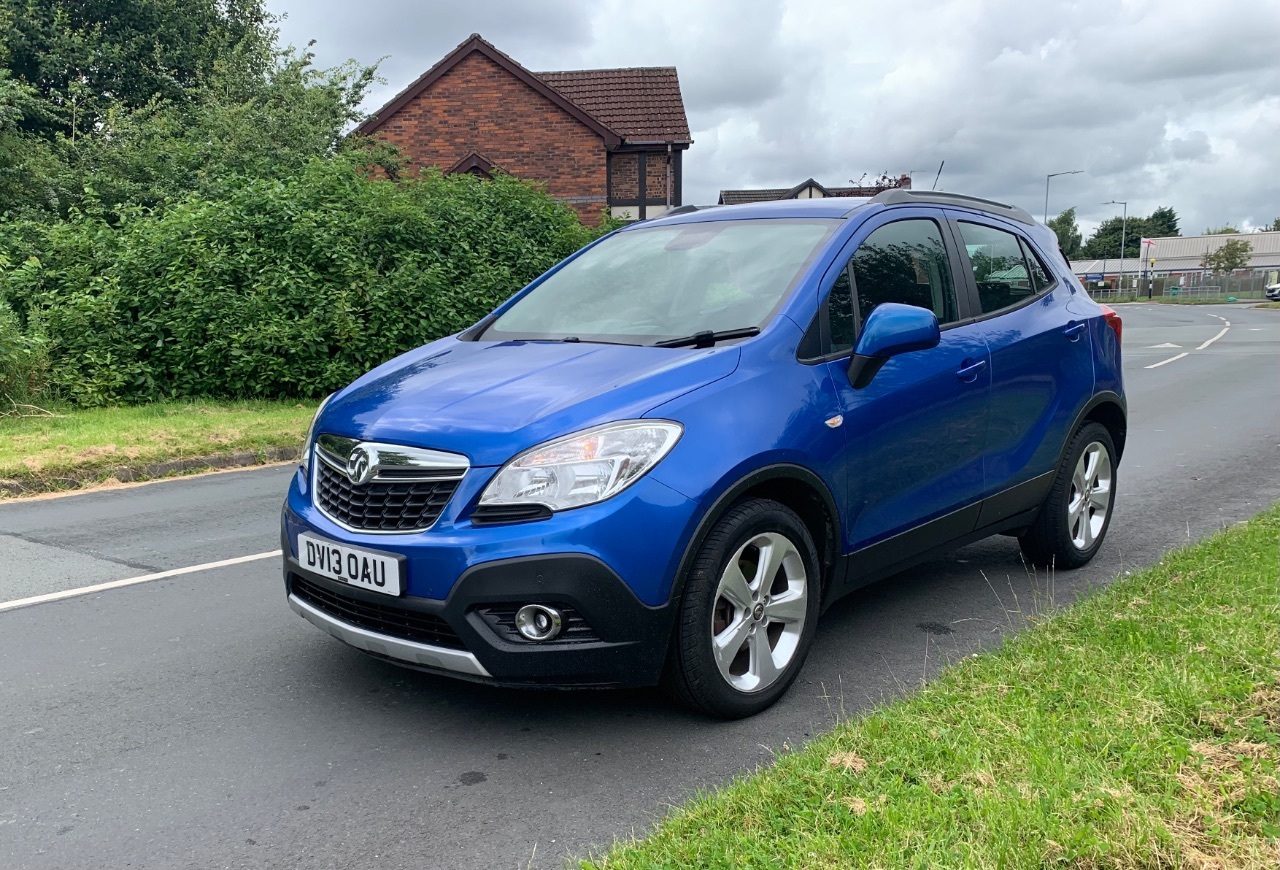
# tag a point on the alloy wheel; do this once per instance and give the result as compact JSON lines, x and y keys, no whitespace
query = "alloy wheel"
{"x":758,"y":615}
{"x":1090,"y":496}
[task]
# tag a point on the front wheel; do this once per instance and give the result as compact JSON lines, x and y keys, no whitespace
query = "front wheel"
{"x":748,"y":614}
{"x":1077,"y":512}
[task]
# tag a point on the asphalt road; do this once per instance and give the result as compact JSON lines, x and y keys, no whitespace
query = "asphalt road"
{"x":195,"y":721}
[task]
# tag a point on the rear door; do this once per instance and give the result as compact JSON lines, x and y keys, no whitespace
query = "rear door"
{"x":915,"y":434}
{"x":1034,"y":324}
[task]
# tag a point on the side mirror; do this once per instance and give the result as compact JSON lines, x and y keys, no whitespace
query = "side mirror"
{"x":891,"y":329}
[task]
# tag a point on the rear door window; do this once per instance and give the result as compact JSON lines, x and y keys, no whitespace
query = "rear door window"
{"x":1040,"y":279}
{"x":999,"y":268}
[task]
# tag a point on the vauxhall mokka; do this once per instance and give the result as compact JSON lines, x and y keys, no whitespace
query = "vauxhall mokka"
{"x":661,"y":460}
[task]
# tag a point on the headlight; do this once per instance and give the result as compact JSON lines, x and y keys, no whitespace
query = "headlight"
{"x":585,"y":468}
{"x":305,"y":462}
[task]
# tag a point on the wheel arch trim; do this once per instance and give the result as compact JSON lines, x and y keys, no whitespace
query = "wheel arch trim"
{"x":784,"y":471}
{"x":1099,"y":400}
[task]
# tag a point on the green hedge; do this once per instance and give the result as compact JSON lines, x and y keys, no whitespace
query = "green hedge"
{"x":277,"y":288}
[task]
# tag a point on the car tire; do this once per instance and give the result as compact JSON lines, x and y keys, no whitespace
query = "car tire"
{"x":748,"y":613}
{"x":1076,"y":514}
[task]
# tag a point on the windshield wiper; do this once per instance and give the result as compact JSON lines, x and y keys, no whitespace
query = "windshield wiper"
{"x":573,"y":339}
{"x":707,"y":338}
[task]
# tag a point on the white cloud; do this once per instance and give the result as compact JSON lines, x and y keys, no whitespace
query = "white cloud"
{"x":1161,"y":103}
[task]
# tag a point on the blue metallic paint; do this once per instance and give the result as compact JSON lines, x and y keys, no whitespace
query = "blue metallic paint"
{"x":438,"y":556}
{"x":1042,"y":369}
{"x":894,"y":329}
{"x":916,"y":437}
{"x":923,"y":439}
{"x":490,"y":400}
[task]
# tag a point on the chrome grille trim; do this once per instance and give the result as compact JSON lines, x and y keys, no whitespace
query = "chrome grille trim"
{"x":394,"y":461}
{"x":387,"y":465}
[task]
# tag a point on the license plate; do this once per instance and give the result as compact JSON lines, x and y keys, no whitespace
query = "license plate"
{"x":356,"y":566}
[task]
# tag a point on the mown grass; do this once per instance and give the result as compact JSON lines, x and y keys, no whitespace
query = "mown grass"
{"x":1139,"y":728}
{"x":73,"y":447}
{"x":1268,"y":305}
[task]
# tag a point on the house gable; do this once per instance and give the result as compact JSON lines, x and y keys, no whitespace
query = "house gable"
{"x":476,"y":44}
{"x":476,"y":107}
{"x":581,"y":133}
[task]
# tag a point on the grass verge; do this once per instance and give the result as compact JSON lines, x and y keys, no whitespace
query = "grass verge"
{"x":81,"y":447}
{"x":1138,"y":728}
{"x":1268,"y":305}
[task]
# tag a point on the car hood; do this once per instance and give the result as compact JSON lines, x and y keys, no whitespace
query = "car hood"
{"x":490,"y":400}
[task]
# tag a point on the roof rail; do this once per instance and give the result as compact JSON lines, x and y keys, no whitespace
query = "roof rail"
{"x":899,"y":196}
{"x":684,"y":209}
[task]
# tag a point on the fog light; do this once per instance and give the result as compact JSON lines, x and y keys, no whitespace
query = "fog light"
{"x":537,"y":622}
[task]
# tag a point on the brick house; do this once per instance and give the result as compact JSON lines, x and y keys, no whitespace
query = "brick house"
{"x":605,"y":138}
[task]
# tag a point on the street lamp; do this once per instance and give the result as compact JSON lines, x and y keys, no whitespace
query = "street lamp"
{"x":1046,"y":188}
{"x":1124,"y":226}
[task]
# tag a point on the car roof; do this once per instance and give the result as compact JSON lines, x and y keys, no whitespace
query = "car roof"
{"x":846,"y":206}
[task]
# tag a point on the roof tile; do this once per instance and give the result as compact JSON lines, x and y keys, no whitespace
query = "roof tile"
{"x":640,"y":103}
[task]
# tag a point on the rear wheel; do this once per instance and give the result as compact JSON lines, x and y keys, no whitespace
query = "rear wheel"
{"x":1077,"y":512}
{"x":748,"y":613}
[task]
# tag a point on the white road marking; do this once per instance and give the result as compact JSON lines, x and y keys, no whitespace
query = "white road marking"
{"x":1215,"y":338}
{"x":132,"y":581}
{"x":1166,"y":362}
{"x":1166,"y":344}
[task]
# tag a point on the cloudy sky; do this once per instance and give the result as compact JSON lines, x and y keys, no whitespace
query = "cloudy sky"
{"x":1160,"y":102}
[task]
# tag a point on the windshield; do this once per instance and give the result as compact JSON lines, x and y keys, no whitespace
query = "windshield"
{"x":660,"y":283}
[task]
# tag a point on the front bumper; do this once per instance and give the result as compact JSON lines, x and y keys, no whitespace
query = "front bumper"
{"x":616,"y":640}
{"x":421,"y":655}
{"x":610,"y":565}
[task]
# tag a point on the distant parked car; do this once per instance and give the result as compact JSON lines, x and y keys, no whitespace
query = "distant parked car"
{"x":1273,"y":292}
{"x":662,"y":459}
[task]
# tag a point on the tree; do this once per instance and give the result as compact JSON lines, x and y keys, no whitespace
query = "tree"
{"x":1068,"y":232}
{"x":1274,"y":228}
{"x":1162,"y":223}
{"x":1105,"y":242}
{"x":210,"y":97}
{"x":1233,"y":255}
{"x":1224,"y":230}
{"x":85,"y":58}
{"x":266,"y":129}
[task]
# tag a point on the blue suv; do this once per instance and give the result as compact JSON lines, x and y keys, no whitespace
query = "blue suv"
{"x":662,"y":459}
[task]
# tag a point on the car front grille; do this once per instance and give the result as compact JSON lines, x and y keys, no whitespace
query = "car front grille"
{"x":386,"y":619}
{"x":381,"y":505}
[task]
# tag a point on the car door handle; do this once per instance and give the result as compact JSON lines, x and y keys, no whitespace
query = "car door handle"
{"x":1074,"y":331}
{"x":969,"y":371}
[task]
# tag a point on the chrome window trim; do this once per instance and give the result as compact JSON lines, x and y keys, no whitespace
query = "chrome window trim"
{"x":389,"y":463}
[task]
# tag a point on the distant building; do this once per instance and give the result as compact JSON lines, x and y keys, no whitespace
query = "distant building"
{"x":605,"y":138}
{"x":1182,"y":255}
{"x":809,"y":189}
